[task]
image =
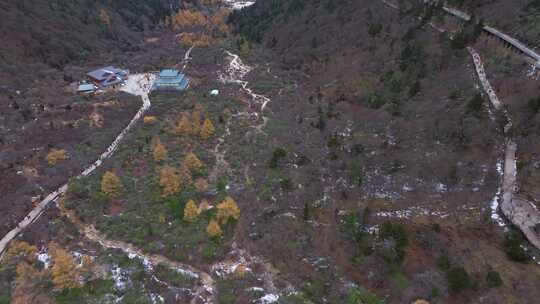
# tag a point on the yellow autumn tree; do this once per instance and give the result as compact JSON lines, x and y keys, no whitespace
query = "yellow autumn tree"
{"x":213,"y":229}
{"x":20,"y":250}
{"x":207,"y":129}
{"x":65,"y":274}
{"x":169,"y":181}
{"x":201,"y":184}
{"x":192,"y":162}
{"x":25,"y":273}
{"x":148,"y":120}
{"x":159,"y":150}
{"x":188,"y":18}
{"x":227,"y":210}
{"x":191,"y":212}
{"x":184,"y":126}
{"x":219,"y":21}
{"x":29,"y":285}
{"x":55,"y":156}
{"x":197,"y":39}
{"x":111,"y":185}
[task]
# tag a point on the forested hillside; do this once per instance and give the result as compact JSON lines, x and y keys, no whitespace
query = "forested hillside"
{"x":56,"y":32}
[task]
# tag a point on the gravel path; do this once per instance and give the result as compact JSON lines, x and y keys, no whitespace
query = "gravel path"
{"x":138,"y":84}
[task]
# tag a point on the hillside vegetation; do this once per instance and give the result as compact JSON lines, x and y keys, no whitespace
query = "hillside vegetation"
{"x":59,"y":31}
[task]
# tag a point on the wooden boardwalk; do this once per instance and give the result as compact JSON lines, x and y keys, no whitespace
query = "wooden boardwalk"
{"x":494,"y":32}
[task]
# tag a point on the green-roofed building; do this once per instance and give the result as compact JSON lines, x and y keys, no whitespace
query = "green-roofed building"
{"x":170,"y":80}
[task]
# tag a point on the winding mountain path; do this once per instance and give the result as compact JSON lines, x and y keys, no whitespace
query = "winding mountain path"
{"x":236,"y":73}
{"x":206,"y":289}
{"x":516,"y":209}
{"x":519,"y":211}
{"x":138,"y":84}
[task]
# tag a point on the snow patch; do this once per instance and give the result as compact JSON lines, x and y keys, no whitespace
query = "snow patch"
{"x":269,"y":298}
{"x":238,"y":4}
{"x":120,"y":278}
{"x":156,"y":298}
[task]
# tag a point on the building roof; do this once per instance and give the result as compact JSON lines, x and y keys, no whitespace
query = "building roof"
{"x":171,"y":80}
{"x":86,"y":87}
{"x":169,"y":73}
{"x":106,"y":72}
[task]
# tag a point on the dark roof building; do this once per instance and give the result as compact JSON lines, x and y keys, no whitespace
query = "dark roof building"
{"x":108,"y":76}
{"x":170,"y":80}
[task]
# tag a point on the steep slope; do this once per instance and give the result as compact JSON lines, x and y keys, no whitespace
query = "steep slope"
{"x":47,"y":47}
{"x":384,"y":121}
{"x":57,"y":32}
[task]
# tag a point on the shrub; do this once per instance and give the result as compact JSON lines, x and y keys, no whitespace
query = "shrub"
{"x":362,"y":296}
{"x":475,"y":104}
{"x":513,"y":249}
{"x":374,"y":29}
{"x":286,"y":184}
{"x":395,"y":232}
{"x":375,"y":101}
{"x":278,"y":154}
{"x":415,"y":89}
{"x":321,"y":122}
{"x":455,"y":94}
{"x":493,"y":279}
{"x":352,"y":227}
{"x":356,"y":173}
{"x":458,"y":279}
{"x":459,"y":40}
{"x":210,"y":251}
{"x":534,"y":105}
{"x":444,"y":262}
{"x":55,"y":156}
